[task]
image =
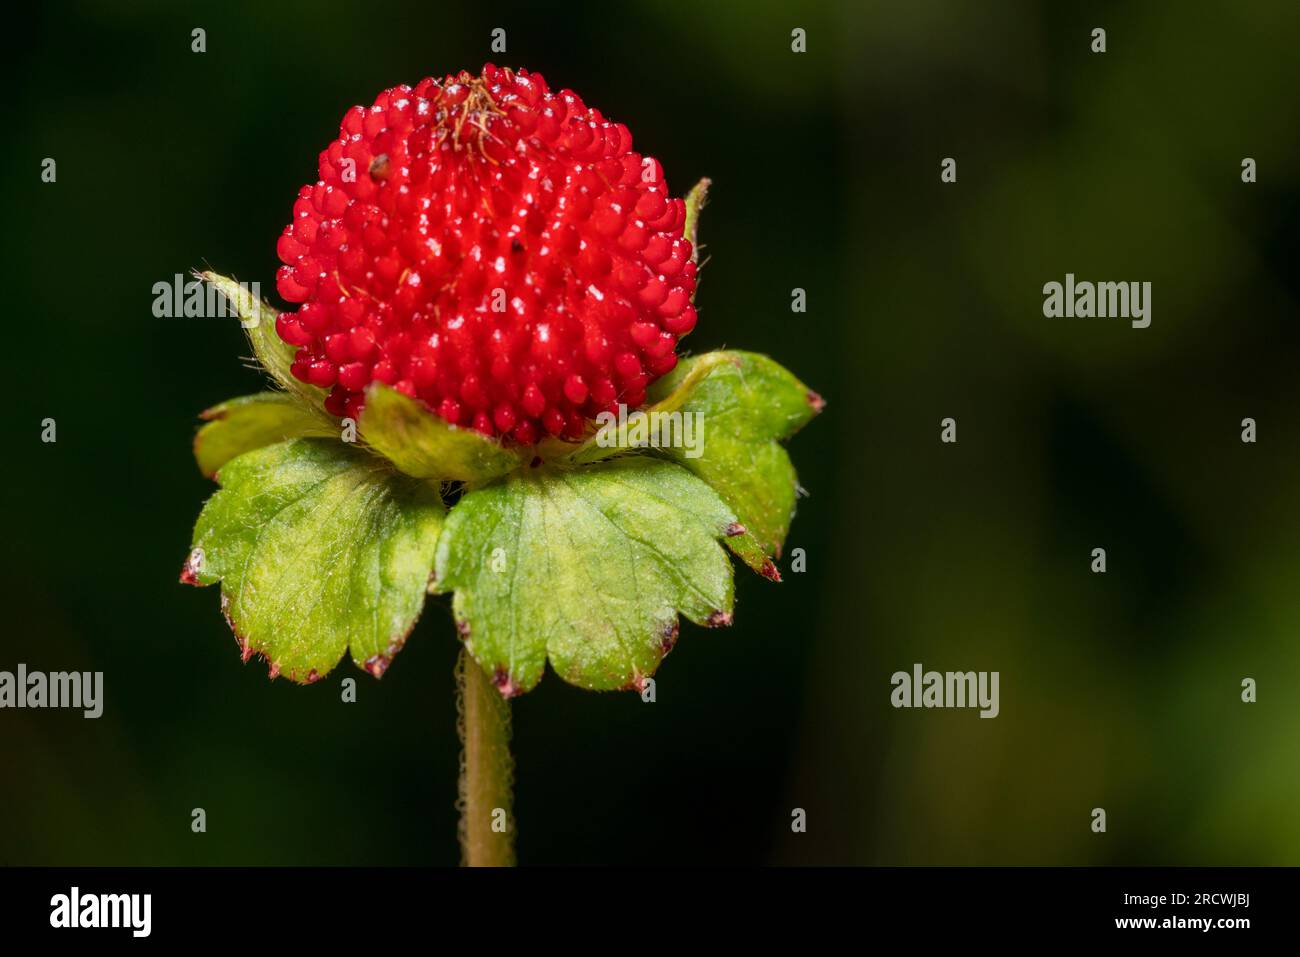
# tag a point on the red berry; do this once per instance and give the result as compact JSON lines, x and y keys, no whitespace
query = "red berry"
{"x":493,"y":248}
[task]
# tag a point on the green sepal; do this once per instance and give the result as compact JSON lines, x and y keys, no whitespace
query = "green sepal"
{"x":746,"y":403}
{"x":320,"y":548}
{"x":250,"y":422}
{"x":585,"y":567}
{"x":424,"y":445}
{"x":273,"y":353}
{"x":695,"y":203}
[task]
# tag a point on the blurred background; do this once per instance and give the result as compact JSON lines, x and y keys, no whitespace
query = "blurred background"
{"x":1119,"y":691}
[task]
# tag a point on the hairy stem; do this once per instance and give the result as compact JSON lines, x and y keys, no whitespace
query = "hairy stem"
{"x":487,"y":822}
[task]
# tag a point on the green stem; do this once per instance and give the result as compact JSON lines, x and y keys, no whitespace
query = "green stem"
{"x":487,"y":821}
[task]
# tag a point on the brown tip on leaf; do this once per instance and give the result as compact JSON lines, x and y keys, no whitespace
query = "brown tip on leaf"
{"x":274,"y":671}
{"x":770,"y":572}
{"x":214,"y":413}
{"x":734,"y":529}
{"x":501,"y":680}
{"x":816,"y":401}
{"x":462,"y":628}
{"x":637,"y":683}
{"x":246,"y":649}
{"x":719,"y":619}
{"x":313,"y":676}
{"x":376,"y":665}
{"x":668,"y":637}
{"x":192,"y":567}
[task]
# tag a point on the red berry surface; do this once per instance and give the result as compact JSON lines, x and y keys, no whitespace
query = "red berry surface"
{"x":492,"y":248}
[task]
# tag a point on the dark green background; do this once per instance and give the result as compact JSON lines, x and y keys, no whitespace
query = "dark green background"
{"x":1118,"y":691}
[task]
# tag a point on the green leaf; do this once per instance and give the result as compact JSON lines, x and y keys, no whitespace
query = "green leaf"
{"x":252,"y":421}
{"x":319,"y":548}
{"x":588,"y":567}
{"x":424,"y":445}
{"x":274,"y":354}
{"x":745,"y":404}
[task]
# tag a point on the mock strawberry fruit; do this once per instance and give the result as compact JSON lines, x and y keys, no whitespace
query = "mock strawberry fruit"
{"x":492,"y":248}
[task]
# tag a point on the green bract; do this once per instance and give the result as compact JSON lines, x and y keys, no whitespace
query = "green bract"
{"x":588,"y":567}
{"x":326,"y":534}
{"x":319,"y":549}
{"x":748,"y":404}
